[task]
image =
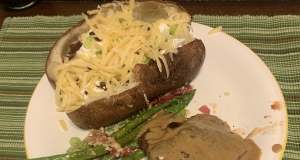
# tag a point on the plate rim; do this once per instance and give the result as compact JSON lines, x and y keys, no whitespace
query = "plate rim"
{"x":29,"y":104}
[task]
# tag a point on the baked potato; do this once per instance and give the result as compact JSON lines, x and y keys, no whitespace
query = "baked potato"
{"x":165,"y":57}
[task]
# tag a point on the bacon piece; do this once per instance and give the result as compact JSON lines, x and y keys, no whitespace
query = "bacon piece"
{"x":169,"y":96}
{"x":204,"y":109}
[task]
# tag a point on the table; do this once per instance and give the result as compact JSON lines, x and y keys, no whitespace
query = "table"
{"x":270,"y":8}
{"x":270,"y":11}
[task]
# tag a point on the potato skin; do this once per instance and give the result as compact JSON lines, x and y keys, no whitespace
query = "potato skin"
{"x":184,"y":67}
{"x":107,"y":111}
{"x":61,"y":47}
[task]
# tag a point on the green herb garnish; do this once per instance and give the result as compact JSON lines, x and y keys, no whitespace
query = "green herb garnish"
{"x":173,"y":29}
{"x":146,"y":61}
{"x":98,"y":52}
{"x":89,"y":42}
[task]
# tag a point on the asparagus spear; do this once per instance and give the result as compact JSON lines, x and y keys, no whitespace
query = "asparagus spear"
{"x":181,"y":113}
{"x":93,"y":152}
{"x":135,"y":156}
{"x":130,"y":136}
{"x":85,"y":154}
{"x":180,"y":101}
{"x":133,"y":144}
{"x":139,"y":119}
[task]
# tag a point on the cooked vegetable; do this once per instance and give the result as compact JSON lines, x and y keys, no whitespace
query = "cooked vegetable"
{"x":74,"y":140}
{"x":181,"y":113}
{"x":93,"y":152}
{"x":89,"y":153}
{"x":78,"y":147}
{"x":137,"y":155}
{"x":177,"y":103}
{"x":134,"y":145}
{"x":129,"y":132}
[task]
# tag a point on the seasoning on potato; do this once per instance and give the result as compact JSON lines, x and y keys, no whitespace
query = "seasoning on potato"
{"x":120,"y":57}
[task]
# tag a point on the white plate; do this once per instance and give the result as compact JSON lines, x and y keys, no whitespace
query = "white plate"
{"x":229,"y":67}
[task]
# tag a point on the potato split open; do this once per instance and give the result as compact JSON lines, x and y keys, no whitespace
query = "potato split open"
{"x":110,"y":76}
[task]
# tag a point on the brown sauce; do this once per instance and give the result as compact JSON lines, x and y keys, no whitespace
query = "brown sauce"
{"x":202,"y":136}
{"x":276,"y":106}
{"x":276,"y":148}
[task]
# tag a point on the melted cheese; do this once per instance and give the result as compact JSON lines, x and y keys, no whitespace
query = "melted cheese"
{"x":125,"y":42}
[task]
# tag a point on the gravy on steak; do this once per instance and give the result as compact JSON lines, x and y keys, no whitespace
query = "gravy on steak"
{"x":200,"y":137}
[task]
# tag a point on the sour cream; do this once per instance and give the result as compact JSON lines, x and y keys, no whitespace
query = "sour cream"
{"x":163,"y":28}
{"x":178,"y":42}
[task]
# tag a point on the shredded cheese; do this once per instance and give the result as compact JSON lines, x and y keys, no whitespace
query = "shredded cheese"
{"x":123,"y":42}
{"x":215,"y":30}
{"x":63,"y":125}
{"x":253,"y":133}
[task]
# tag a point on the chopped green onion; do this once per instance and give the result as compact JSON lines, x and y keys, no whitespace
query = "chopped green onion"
{"x":100,"y":79}
{"x":173,"y":29}
{"x":146,"y":60}
{"x":89,"y":42}
{"x":98,"y":52}
{"x":74,"y":140}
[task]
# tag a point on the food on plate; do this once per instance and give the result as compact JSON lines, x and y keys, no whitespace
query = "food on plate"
{"x":63,"y":125}
{"x":120,"y":57}
{"x":202,"y":136}
{"x":215,"y":30}
{"x":123,"y":142}
{"x":164,"y":132}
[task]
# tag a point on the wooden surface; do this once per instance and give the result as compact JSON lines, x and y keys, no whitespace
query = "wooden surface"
{"x":270,"y":8}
